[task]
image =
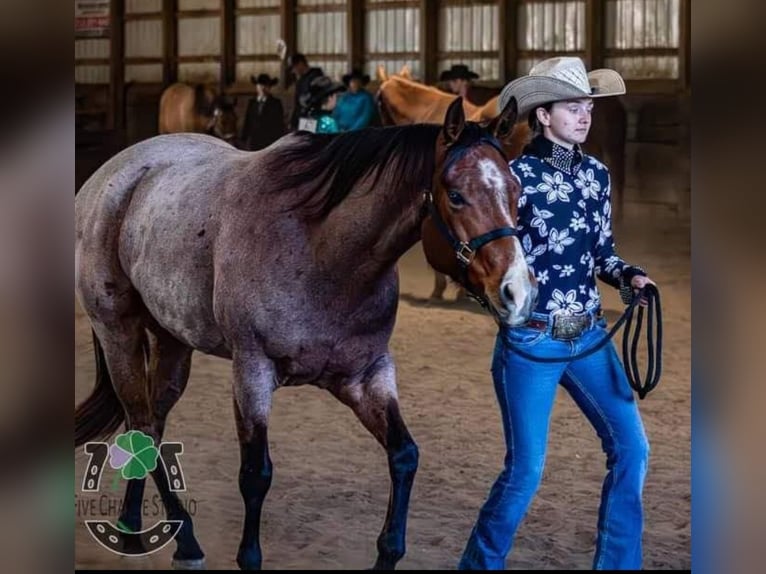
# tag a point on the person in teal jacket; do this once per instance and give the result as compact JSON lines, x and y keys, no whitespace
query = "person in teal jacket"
{"x":320,"y":102}
{"x":356,"y":108}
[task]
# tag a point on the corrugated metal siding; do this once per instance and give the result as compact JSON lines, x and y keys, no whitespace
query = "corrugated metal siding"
{"x":396,"y":30}
{"x":143,"y":38}
{"x":468,"y":28}
{"x":487,"y":68}
{"x":558,"y":26}
{"x":333,"y":68}
{"x":199,"y":4}
{"x":136,"y":6}
{"x":247,"y":69}
{"x":632,"y":24}
{"x":91,"y":74}
{"x":91,"y":48}
{"x":258,"y":34}
{"x":199,"y":72}
{"x":322,"y":32}
{"x":199,"y":36}
{"x":146,"y":73}
{"x":257,"y":3}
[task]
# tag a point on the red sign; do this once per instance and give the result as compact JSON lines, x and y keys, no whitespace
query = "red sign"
{"x":91,"y":18}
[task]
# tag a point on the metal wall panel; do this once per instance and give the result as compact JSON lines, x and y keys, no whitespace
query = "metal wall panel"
{"x":468,"y":28}
{"x":91,"y":48}
{"x":145,"y":73}
{"x":199,"y":72}
{"x":393,"y":30}
{"x":322,"y":33}
{"x":199,"y":4}
{"x":258,"y":34}
{"x":552,"y":26}
{"x":642,"y":24}
{"x":138,"y":6}
{"x":91,"y":74}
{"x":247,"y":69}
{"x":645,"y":67}
{"x":487,"y":68}
{"x":199,"y":36}
{"x":333,"y":68}
{"x":143,"y":38}
{"x":258,"y":3}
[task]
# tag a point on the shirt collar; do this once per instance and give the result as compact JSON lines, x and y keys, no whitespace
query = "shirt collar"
{"x":567,"y":160}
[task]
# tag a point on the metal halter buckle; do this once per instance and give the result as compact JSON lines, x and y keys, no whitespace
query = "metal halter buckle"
{"x":464,"y":254}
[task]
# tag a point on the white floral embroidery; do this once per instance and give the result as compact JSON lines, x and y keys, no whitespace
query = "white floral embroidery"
{"x":561,"y":302}
{"x":555,"y":187}
{"x":577,"y":222}
{"x":559,"y":240}
{"x":532,"y":252}
{"x":597,"y":164}
{"x":587,"y":260}
{"x":593,"y":299}
{"x":566,"y":271}
{"x":542,"y":277}
{"x":526,"y":170}
{"x":581,"y":204}
{"x":588,"y":184}
{"x":522,"y":200}
{"x":583,"y":290}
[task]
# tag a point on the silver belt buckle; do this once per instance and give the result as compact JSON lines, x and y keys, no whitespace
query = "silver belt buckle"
{"x":567,"y":327}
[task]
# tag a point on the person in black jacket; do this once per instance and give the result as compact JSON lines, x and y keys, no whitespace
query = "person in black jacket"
{"x":264,"y":120}
{"x":305,"y":74}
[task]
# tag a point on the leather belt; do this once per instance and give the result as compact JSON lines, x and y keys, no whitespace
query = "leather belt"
{"x":565,"y":327}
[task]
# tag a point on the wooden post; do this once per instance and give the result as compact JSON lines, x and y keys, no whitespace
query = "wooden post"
{"x":429,"y":40}
{"x":355,"y":16}
{"x":169,"y":42}
{"x":508,"y":13}
{"x":228,"y":44}
{"x":117,"y":65}
{"x":289,"y":24}
{"x":685,"y":45}
{"x":594,"y":33}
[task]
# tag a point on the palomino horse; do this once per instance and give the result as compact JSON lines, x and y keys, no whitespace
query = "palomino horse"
{"x":197,"y":109}
{"x":402,"y":101}
{"x":284,"y":261}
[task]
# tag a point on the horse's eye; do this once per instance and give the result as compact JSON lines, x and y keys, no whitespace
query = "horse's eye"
{"x":455,"y":198}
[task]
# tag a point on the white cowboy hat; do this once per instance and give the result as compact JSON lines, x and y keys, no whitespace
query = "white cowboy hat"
{"x":557,"y":79}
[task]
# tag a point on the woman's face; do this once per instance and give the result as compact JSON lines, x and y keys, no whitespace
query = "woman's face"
{"x":568,"y":122}
{"x":331,"y":101}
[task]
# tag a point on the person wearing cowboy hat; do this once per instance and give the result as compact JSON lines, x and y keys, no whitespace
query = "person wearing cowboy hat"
{"x":564,"y":224}
{"x":459,"y":78}
{"x":264,"y":120}
{"x":356,"y":107}
{"x":298,"y":66}
{"x":318,"y":105}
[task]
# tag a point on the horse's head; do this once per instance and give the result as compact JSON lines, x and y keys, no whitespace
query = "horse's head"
{"x":470,"y":232}
{"x":224,"y":120}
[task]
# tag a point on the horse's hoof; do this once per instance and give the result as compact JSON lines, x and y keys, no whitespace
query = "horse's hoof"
{"x":194,"y":564}
{"x":436,"y":296}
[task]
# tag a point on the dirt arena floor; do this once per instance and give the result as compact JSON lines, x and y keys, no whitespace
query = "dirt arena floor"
{"x":330,"y":488}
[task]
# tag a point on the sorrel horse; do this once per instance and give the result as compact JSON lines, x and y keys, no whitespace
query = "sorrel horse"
{"x":402,"y":101}
{"x":197,"y":109}
{"x":284,"y":261}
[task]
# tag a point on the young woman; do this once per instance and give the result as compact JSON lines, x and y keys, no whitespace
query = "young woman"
{"x":565,"y":230}
{"x":319,"y":103}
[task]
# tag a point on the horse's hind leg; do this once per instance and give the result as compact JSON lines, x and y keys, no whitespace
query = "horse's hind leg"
{"x":253,"y":388}
{"x":440,"y":284}
{"x":374,"y":400}
{"x":124,"y":342}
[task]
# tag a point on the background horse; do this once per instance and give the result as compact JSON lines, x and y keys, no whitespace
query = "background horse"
{"x":403,"y":101}
{"x":284,"y":261}
{"x":197,"y":109}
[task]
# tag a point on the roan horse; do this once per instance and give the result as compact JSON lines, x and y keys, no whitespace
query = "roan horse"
{"x":403,"y":101}
{"x":197,"y":109}
{"x":284,"y":261}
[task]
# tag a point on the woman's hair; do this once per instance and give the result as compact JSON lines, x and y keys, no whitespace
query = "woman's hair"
{"x":534,"y":123}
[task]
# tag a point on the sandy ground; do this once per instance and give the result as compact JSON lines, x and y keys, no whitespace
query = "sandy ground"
{"x":330,"y":488}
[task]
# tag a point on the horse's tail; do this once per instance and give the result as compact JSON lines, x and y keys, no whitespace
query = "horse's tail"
{"x":101,"y":414}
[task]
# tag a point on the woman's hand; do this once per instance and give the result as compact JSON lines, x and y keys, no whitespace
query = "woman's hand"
{"x":639,"y":282}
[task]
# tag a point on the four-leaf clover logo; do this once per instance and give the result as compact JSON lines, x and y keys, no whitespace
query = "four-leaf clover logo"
{"x":134,"y":454}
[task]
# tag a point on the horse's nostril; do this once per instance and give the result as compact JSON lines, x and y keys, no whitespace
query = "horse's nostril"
{"x":508,"y":294}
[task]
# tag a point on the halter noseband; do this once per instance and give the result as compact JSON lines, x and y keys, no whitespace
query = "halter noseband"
{"x":465,"y":251}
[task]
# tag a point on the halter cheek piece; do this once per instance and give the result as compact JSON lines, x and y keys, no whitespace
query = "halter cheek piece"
{"x":465,"y":251}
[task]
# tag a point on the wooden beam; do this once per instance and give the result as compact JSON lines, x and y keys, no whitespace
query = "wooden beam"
{"x":429,"y":39}
{"x":508,"y":13}
{"x":289,"y":23}
{"x":356,"y":33}
{"x":329,"y":7}
{"x":685,"y":45}
{"x":228,"y":44}
{"x":594,"y":33}
{"x":117,"y":67}
{"x":169,"y":42}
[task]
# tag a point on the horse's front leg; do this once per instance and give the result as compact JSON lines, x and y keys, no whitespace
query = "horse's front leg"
{"x":373,"y":399}
{"x":253,"y":389}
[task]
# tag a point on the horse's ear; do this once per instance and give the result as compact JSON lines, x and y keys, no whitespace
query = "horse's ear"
{"x":502,"y":126}
{"x":454,"y":121}
{"x":382,"y":77}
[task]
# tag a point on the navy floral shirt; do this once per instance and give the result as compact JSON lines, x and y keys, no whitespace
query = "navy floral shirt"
{"x":565,"y":226}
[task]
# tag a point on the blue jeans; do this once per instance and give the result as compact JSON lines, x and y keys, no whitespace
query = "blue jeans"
{"x":526,"y":392}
